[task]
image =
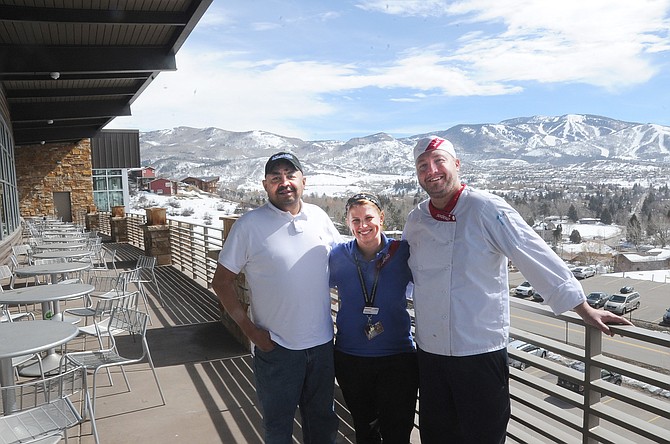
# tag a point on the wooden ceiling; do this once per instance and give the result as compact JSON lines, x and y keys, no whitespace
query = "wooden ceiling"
{"x":69,"y":69}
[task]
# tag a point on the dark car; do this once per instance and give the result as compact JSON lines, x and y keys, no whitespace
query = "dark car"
{"x":626,"y":289}
{"x":597,"y":299}
{"x":606,"y":375}
{"x":666,"y":316}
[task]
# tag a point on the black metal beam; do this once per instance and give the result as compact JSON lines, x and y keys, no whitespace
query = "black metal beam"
{"x":58,"y":134}
{"x":38,"y":124}
{"x":24,"y":59}
{"x":139,"y":75}
{"x":93,"y":16}
{"x":22,"y":112}
{"x":68,"y":92}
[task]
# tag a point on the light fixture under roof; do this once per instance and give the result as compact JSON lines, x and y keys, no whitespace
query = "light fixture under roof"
{"x":50,"y":122}
{"x":54,"y":75}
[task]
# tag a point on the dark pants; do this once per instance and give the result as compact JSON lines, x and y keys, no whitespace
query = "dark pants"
{"x":463,"y":400}
{"x":381,"y":394}
{"x":303,"y":378}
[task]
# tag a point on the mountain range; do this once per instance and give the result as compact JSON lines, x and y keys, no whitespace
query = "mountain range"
{"x":543,"y":148}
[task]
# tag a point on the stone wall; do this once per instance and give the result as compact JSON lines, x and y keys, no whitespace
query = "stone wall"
{"x":42,"y":170}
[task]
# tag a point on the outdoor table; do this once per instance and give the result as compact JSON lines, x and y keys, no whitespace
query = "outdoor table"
{"x":64,"y":239}
{"x":48,"y":296}
{"x":26,"y":338}
{"x":52,"y":270}
{"x":67,"y":254}
{"x":64,"y":231}
{"x":59,"y":246}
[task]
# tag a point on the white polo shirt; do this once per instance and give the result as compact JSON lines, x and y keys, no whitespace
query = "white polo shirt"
{"x":285,"y":261}
{"x":461,"y":290}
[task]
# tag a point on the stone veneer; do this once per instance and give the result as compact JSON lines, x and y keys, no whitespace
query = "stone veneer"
{"x":42,"y":170}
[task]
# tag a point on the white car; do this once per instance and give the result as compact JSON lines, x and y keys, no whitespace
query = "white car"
{"x":584,"y":272}
{"x":526,"y":347}
{"x":524,"y":289}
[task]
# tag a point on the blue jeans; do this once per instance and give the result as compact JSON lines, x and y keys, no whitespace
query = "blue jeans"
{"x":463,"y":399}
{"x":303,"y":378}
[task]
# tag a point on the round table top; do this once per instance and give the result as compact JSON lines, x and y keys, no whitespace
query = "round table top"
{"x":54,"y":268}
{"x":61,"y":254}
{"x":60,"y":246}
{"x":44,"y":293}
{"x":64,"y":239}
{"x":28,"y":337}
{"x":62,"y":232}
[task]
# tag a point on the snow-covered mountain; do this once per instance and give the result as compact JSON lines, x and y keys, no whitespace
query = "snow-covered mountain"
{"x":377,"y":161}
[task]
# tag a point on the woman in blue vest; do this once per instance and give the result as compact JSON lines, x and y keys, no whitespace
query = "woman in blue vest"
{"x":375,"y":356}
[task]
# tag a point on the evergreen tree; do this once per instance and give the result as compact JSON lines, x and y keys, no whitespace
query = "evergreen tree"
{"x":634,"y":231}
{"x":575,"y":237}
{"x":572,"y":214}
{"x":606,"y":217}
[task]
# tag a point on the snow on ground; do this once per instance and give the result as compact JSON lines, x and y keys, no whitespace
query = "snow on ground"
{"x":203,"y":206}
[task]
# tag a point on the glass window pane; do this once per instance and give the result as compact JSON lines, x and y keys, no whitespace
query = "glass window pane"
{"x":115,"y":183}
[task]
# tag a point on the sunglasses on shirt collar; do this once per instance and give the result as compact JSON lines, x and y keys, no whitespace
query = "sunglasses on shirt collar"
{"x":360,"y":198}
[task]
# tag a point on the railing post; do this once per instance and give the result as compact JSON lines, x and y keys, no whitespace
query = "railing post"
{"x":92,"y":219}
{"x":593,"y":343}
{"x":157,"y":236}
{"x":118,"y":225}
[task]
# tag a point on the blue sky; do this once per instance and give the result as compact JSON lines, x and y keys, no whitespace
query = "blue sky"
{"x":337,"y":69}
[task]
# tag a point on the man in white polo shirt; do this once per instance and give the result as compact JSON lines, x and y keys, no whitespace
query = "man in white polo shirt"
{"x":460,"y":241}
{"x":282,"y":248}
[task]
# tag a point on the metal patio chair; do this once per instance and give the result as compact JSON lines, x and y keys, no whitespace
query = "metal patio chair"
{"x":147,"y":275}
{"x":44,"y":408}
{"x":124,"y":319}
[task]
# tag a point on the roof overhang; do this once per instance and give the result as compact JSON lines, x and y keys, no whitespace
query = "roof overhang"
{"x":69,"y":70}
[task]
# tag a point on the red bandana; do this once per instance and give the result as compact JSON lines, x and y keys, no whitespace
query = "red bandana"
{"x":445,"y":215}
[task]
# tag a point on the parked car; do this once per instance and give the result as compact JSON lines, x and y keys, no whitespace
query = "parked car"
{"x":584,"y":272}
{"x":666,"y":316}
{"x":537,"y":297}
{"x":597,"y":299}
{"x":626,"y":289}
{"x":526,"y":347}
{"x":622,"y":303}
{"x":524,"y":289}
{"x":607,"y":375}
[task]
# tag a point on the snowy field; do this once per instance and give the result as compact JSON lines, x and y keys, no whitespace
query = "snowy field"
{"x":190,"y":205}
{"x":207,"y":207}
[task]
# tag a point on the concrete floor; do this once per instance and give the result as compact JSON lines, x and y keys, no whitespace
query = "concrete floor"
{"x":204,"y":372}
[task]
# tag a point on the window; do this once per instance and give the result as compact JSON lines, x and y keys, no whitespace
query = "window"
{"x":9,"y":201}
{"x":110,"y":188}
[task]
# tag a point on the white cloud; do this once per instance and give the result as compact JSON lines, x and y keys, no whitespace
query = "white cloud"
{"x":422,"y":8}
{"x":488,"y":48}
{"x":603,"y":43}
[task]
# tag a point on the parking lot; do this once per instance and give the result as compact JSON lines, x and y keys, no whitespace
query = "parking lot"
{"x":655,"y":296}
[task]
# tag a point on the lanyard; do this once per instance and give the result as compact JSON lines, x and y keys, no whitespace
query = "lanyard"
{"x":370,"y":298}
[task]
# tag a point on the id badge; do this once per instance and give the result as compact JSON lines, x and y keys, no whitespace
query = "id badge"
{"x":371,"y":310}
{"x":373,"y":330}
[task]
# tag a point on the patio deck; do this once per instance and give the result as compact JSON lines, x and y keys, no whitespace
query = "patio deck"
{"x":205,"y":374}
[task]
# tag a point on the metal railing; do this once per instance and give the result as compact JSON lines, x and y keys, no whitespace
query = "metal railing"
{"x":192,"y":245}
{"x":542,"y":411}
{"x":605,"y":412}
